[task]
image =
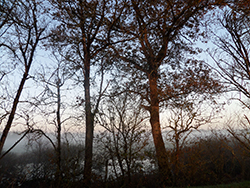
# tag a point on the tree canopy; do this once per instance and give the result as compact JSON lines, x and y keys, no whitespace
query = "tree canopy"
{"x":127,"y":58}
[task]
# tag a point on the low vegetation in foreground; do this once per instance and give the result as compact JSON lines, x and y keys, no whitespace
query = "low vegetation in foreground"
{"x":213,"y":161}
{"x":244,"y":184}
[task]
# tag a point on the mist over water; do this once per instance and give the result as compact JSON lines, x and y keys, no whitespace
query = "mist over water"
{"x":12,"y":138}
{"x":74,"y":138}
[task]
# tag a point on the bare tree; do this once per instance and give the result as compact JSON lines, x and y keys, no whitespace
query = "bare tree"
{"x":232,"y":59}
{"x":23,"y":38}
{"x":125,"y":135}
{"x":6,"y":15}
{"x":6,"y":10}
{"x":187,"y":114}
{"x":51,"y":99}
{"x":82,"y":38}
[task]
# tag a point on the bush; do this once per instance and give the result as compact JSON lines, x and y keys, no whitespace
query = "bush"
{"x":206,"y":161}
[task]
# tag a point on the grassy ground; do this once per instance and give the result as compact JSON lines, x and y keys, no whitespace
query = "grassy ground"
{"x":245,"y":184}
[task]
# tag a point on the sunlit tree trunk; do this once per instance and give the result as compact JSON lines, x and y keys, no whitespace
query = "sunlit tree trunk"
{"x":161,"y":152}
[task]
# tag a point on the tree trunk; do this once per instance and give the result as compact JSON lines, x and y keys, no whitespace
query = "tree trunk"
{"x":161,"y":153}
{"x":58,"y":152}
{"x":89,"y":126}
{"x":13,"y":111}
{"x":176,"y":160}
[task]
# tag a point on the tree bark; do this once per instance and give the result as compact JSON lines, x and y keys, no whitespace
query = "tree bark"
{"x":161,"y":153}
{"x":89,"y":126}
